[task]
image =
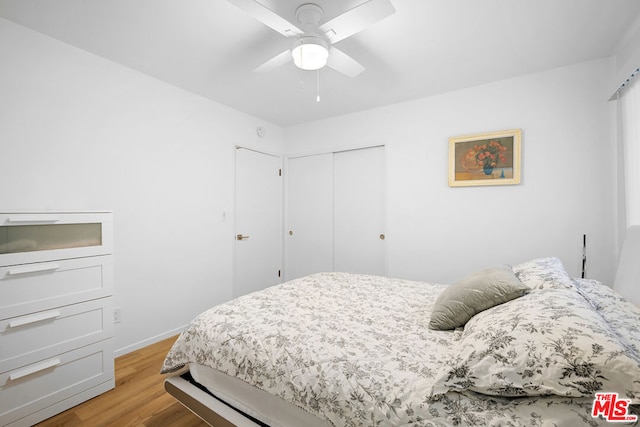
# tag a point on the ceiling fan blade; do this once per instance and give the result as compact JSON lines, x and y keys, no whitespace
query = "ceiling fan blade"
{"x":274,"y":62}
{"x":268,"y":17}
{"x":340,"y":61}
{"x":357,"y":19}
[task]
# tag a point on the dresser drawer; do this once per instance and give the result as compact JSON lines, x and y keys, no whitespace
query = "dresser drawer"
{"x":36,"y":336}
{"x":37,"y":386}
{"x":38,"y":237}
{"x":41,"y":286}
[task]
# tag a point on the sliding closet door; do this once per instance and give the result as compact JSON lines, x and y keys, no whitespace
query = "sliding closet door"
{"x":359,"y":214}
{"x":309,"y":231}
{"x":335,"y":213}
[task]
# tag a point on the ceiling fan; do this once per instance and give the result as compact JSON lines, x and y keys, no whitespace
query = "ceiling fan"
{"x":313,"y":40}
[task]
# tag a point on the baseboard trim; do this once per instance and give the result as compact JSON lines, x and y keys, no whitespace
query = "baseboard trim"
{"x":138,"y":345}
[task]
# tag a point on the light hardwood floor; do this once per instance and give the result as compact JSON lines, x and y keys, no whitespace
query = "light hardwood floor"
{"x":139,"y":398}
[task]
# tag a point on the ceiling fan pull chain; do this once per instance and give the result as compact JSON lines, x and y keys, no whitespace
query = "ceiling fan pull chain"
{"x":318,"y":86}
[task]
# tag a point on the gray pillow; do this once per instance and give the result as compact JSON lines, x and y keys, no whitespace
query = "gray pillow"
{"x":475,"y":293}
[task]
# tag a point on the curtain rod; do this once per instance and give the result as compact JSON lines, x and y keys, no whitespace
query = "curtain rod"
{"x":616,"y":94}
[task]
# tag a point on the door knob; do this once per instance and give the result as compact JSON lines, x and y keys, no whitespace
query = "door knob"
{"x":241,"y":237}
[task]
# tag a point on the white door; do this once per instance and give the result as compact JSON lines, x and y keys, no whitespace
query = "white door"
{"x":359,"y":211}
{"x":258,"y":244}
{"x":309,"y":231}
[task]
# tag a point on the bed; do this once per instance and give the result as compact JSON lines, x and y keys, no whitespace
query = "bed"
{"x":339,"y":349}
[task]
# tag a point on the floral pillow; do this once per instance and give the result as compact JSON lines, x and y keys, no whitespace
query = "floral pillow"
{"x":543,"y":273}
{"x":548,"y":342}
{"x":622,"y":315}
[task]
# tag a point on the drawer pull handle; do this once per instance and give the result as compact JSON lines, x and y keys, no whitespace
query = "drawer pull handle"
{"x":33,"y":369}
{"x":35,"y":268}
{"x":47,"y":315}
{"x":31,"y":218}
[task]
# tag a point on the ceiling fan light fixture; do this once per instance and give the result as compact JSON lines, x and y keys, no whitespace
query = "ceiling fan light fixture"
{"x":310,"y":53}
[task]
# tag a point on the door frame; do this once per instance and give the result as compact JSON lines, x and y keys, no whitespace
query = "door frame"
{"x":235,"y":224}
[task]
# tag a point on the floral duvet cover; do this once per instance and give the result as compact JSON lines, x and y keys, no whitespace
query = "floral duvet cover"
{"x":356,"y":350}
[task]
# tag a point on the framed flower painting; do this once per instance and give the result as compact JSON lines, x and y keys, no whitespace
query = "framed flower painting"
{"x":485,"y":159}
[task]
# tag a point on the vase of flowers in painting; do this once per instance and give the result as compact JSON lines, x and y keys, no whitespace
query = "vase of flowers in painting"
{"x":489,"y":155}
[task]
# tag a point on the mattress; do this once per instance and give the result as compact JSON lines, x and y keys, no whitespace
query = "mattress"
{"x":345,"y":349}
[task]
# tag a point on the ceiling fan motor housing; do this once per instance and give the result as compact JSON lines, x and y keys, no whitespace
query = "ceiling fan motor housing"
{"x":309,"y":14}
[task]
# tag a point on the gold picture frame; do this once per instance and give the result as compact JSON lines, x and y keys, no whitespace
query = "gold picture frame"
{"x":491,"y":158}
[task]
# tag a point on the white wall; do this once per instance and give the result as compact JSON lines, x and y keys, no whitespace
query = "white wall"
{"x":78,"y":132}
{"x":437,"y":233}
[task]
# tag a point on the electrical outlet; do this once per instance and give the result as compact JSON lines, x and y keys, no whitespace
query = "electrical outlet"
{"x":117,"y":315}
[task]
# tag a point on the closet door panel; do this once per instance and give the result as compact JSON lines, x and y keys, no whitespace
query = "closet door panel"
{"x":359,"y":214}
{"x":309,"y":231}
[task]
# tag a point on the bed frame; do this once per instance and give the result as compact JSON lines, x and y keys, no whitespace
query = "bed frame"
{"x":205,"y":405}
{"x":217,"y":413}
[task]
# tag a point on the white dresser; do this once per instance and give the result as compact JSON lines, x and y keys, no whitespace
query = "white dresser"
{"x":56,"y":314}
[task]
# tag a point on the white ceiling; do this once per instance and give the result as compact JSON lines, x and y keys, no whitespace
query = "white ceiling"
{"x":210,"y":47}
